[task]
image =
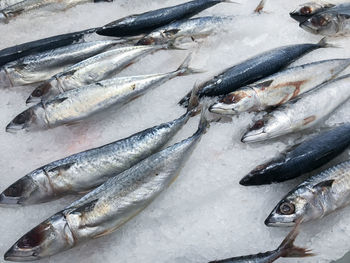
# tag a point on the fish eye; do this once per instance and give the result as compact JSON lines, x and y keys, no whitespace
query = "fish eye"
{"x":37,"y":93}
{"x":21,"y":118}
{"x":305,"y":10}
{"x":287,"y":208}
{"x":258,"y":125}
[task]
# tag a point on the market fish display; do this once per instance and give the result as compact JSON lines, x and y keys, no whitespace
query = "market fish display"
{"x":33,"y":47}
{"x":315,"y":198}
{"x":146,"y":22}
{"x":305,"y":11}
{"x":301,"y":113}
{"x":334,"y":21}
{"x":302,"y":158}
{"x":285,"y":250}
{"x":109,"y":206}
{"x":39,"y":67}
{"x":26,"y":6}
{"x":253,"y":69}
{"x":188,"y":28}
{"x":75,"y":105}
{"x":91,"y":70}
{"x":279,"y":88}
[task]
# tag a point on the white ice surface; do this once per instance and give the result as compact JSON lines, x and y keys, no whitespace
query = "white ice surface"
{"x":205,"y":214}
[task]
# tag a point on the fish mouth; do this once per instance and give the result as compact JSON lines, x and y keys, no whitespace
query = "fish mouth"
{"x":296,"y":16}
{"x":221,"y":108}
{"x":251,"y":179}
{"x":32,"y":100}
{"x":254,"y":136}
{"x":20,"y":255}
{"x":21,"y":121}
{"x":273,"y":221}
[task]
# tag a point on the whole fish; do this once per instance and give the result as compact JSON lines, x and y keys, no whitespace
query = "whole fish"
{"x":305,"y":11}
{"x":146,"y":22}
{"x":279,"y":88}
{"x":6,"y":3}
{"x":301,"y":113}
{"x":16,"y":52}
{"x":187,"y":28}
{"x":109,"y":206}
{"x":75,"y":105}
{"x":315,"y":198}
{"x":91,"y":70}
{"x":26,"y":6}
{"x":334,"y":21}
{"x":253,"y":69}
{"x":285,"y":250}
{"x":301,"y":158}
{"x":39,"y":67}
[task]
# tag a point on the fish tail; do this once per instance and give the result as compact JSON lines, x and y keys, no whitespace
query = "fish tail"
{"x":193,"y":102}
{"x":287,"y":248}
{"x":184,"y":69}
{"x":203,"y":122}
{"x":323,"y":43}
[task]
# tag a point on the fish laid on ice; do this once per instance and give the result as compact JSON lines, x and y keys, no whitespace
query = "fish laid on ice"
{"x":91,"y":70}
{"x":315,"y":198}
{"x":301,"y":113}
{"x":253,"y":69}
{"x":188,"y":28}
{"x":305,"y":11}
{"x":285,"y":250}
{"x":109,"y":206}
{"x":146,"y":22}
{"x":334,"y":21}
{"x":302,"y":158}
{"x":40,"y":67}
{"x":279,"y":88}
{"x":77,"y":104}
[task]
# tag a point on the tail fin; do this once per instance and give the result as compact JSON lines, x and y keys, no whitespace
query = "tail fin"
{"x":260,"y":7}
{"x":184,"y":68}
{"x":203,"y":122}
{"x":324,"y":44}
{"x":287,"y":248}
{"x":193,"y":102}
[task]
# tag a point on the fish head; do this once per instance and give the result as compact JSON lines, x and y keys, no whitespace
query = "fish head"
{"x":44,"y":90}
{"x":48,"y":238}
{"x":22,"y":120}
{"x":303,"y":12}
{"x":324,"y":24}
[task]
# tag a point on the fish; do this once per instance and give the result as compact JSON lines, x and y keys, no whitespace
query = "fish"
{"x":301,"y":158}
{"x":286,"y":249}
{"x":108,"y":207}
{"x":39,"y":67}
{"x":91,"y":70}
{"x":253,"y":69}
{"x":305,"y":11}
{"x":331,"y":22}
{"x":27,"y":6}
{"x":146,"y":22}
{"x":314,"y":198}
{"x":187,"y":28}
{"x":280,"y":87}
{"x":33,"y":47}
{"x":75,"y":105}
{"x":301,"y":113}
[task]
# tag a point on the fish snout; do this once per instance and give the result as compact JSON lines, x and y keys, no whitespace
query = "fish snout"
{"x":221,"y":108}
{"x":32,"y":100}
{"x":21,"y":121}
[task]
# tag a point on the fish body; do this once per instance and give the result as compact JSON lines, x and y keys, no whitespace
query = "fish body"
{"x":16,"y":52}
{"x":109,"y":206}
{"x":77,"y":104}
{"x":279,"y":88}
{"x":334,"y":21}
{"x":187,"y":28}
{"x":302,"y":158}
{"x":301,"y":113}
{"x":305,"y":11}
{"x":315,"y":198}
{"x":146,"y":22}
{"x":91,"y":70}
{"x":253,"y":69}
{"x":39,"y":67}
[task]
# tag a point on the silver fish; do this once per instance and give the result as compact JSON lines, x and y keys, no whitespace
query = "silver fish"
{"x":279,"y":88}
{"x":109,"y":206}
{"x":331,"y":22}
{"x":75,"y":105}
{"x":305,"y":11}
{"x":301,"y":113}
{"x":315,"y":198}
{"x":187,"y":28}
{"x":39,"y":67}
{"x":91,"y":70}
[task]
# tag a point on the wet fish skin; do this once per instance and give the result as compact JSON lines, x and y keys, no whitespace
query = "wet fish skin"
{"x":307,"y":10}
{"x":109,"y":206}
{"x":146,"y":22}
{"x":39,"y":67}
{"x":186,"y":28}
{"x":301,"y":113}
{"x":302,"y":158}
{"x":16,"y":52}
{"x":279,"y":88}
{"x":315,"y":198}
{"x":85,"y":170}
{"x":253,"y":69}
